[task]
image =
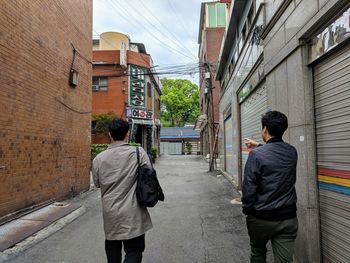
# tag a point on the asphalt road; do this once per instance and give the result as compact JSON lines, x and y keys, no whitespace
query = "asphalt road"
{"x":196,"y":223}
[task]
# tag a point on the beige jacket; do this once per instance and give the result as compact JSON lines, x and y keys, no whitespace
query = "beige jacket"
{"x":114,"y":171}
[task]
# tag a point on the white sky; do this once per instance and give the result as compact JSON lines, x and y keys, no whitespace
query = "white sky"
{"x":165,"y":27}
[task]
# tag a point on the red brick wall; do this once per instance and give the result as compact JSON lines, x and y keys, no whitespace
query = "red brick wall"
{"x":111,"y":56}
{"x":102,"y":138}
{"x":214,"y":38}
{"x":138,"y":59}
{"x":115,"y":98}
{"x":45,"y":133}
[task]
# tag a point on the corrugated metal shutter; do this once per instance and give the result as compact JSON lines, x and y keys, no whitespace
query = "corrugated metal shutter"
{"x":229,"y":168}
{"x":172,"y":148}
{"x":251,"y":111}
{"x":332,"y":115}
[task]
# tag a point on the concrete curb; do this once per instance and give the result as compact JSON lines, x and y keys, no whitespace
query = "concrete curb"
{"x":230,"y":180}
{"x":41,"y":235}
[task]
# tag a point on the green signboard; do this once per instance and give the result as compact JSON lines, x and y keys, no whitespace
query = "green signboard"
{"x":137,"y":90}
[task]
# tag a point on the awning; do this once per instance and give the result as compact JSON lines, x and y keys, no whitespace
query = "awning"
{"x":141,"y":121}
{"x":200,"y":122}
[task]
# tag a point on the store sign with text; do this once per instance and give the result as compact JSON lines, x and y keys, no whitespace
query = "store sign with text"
{"x":137,"y":113}
{"x":137,"y":97}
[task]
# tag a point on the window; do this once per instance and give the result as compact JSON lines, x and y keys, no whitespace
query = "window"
{"x":221,"y":11}
{"x":93,"y":127}
{"x":99,"y":83}
{"x":216,"y":15}
{"x":149,"y":89}
{"x":250,"y":16}
{"x":244,"y":32}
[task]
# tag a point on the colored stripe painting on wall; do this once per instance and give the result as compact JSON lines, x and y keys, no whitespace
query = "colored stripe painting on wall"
{"x":245,"y":152}
{"x":334,"y":180}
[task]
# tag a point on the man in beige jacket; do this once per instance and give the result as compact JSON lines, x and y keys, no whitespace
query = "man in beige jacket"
{"x":125,"y":221}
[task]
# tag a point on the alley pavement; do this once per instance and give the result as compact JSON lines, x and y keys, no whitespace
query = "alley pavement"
{"x":196,"y":223}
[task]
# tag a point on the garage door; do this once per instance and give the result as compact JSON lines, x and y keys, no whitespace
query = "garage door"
{"x":332,"y":115}
{"x":252,"y":109}
{"x":229,"y":168}
{"x":172,"y":148}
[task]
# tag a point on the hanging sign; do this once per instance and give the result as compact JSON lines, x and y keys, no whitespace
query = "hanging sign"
{"x":137,"y":113}
{"x":137,"y":97}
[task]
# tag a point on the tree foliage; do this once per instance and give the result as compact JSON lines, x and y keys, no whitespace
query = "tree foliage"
{"x":102,"y":122}
{"x":180,"y":102}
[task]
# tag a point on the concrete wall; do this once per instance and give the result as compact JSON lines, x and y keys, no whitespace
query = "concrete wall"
{"x":226,"y":106}
{"x":288,"y":77}
{"x":45,"y":133}
{"x":290,"y":90}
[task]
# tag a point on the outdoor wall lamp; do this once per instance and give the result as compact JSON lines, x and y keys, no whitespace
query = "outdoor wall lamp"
{"x":73,"y":78}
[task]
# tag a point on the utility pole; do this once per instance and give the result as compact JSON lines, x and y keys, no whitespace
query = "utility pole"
{"x":209,"y":111}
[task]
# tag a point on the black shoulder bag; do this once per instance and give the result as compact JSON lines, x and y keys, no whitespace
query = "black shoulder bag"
{"x":148,"y":189}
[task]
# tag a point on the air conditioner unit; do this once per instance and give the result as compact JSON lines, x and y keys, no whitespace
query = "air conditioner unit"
{"x":95,"y":88}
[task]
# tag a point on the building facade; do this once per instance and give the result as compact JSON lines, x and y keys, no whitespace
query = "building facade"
{"x":180,"y":141}
{"x":45,"y":101}
{"x":294,"y":56}
{"x":124,"y":84}
{"x":211,"y":30}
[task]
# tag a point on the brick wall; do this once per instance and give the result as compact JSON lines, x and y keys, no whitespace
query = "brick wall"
{"x":116,"y":97}
{"x":45,"y":133}
{"x":214,"y":38}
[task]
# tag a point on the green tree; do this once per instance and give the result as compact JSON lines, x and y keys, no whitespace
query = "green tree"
{"x":180,"y":102}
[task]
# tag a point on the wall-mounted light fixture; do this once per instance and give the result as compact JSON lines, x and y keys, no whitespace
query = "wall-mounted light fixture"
{"x":73,"y":78}
{"x":73,"y":74}
{"x":123,"y":86}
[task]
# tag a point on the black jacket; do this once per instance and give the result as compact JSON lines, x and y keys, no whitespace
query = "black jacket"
{"x":269,"y":181}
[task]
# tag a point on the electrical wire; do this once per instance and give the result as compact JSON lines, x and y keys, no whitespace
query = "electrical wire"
{"x":181,"y":20}
{"x":172,"y":70}
{"x":169,"y":32}
{"x":177,"y":42}
{"x":142,"y":27}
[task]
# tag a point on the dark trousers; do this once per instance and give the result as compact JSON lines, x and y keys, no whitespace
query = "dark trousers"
{"x":133,"y":250}
{"x":281,"y":233}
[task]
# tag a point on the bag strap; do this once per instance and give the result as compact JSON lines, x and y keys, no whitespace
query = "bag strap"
{"x":150,"y":160}
{"x":138,"y":160}
{"x":138,"y":156}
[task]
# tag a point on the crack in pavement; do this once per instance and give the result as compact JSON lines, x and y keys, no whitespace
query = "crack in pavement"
{"x":206,"y":252}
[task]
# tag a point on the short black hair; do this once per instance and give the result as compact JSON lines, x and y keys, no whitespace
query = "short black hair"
{"x":118,"y":128}
{"x":275,"y":122}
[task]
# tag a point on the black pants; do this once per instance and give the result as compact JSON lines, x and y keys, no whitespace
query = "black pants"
{"x":133,"y":250}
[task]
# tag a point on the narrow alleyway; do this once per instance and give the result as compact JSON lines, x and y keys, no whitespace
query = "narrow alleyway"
{"x":196,"y":224}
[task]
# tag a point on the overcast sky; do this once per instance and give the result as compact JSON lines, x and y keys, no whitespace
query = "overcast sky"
{"x":168,"y":28}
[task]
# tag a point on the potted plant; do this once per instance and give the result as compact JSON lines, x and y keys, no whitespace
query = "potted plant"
{"x":189,"y":148}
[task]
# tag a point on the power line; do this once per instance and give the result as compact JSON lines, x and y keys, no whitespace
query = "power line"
{"x":182,"y":23}
{"x":166,"y":28}
{"x":116,"y":8}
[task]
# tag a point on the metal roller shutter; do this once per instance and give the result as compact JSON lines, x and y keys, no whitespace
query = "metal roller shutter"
{"x":229,"y":146}
{"x":251,"y":111}
{"x":171,"y":148}
{"x":332,"y":115}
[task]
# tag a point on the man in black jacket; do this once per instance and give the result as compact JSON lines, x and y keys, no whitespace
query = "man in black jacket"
{"x":268,"y":194}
